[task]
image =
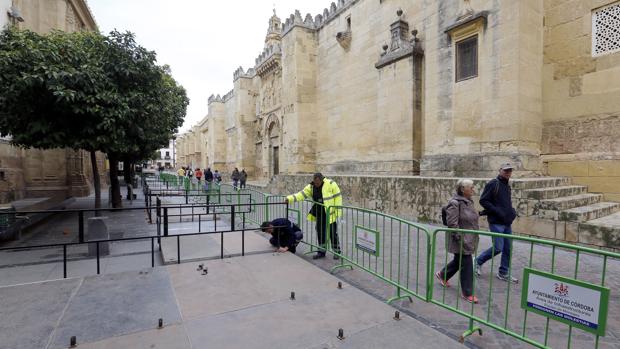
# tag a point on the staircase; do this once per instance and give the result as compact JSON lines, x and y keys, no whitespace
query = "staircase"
{"x":554,"y":208}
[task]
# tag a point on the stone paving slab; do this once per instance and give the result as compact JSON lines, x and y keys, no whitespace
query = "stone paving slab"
{"x":266,"y":278}
{"x":400,"y":335}
{"x":207,"y":246}
{"x":266,"y":317}
{"x":117,"y":304}
{"x":169,"y":337}
{"x":30,"y":273}
{"x":31,"y":312}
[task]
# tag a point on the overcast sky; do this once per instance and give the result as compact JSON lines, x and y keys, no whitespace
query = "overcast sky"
{"x":203,"y":41}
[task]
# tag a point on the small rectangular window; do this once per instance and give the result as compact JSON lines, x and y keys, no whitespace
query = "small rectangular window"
{"x":349,"y":23}
{"x":467,"y":58}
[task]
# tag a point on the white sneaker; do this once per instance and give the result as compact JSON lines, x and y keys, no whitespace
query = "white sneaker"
{"x":507,"y":278}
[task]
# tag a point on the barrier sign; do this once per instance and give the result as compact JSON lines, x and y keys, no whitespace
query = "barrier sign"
{"x":367,"y":240}
{"x":573,"y":302}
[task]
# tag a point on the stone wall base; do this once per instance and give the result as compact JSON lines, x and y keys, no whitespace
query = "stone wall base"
{"x":479,"y":165}
{"x":420,"y":199}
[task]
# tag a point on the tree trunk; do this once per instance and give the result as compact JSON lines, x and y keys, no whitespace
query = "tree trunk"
{"x":117,"y":202}
{"x":126,"y":172}
{"x":96,"y":180}
{"x":127,"y":175}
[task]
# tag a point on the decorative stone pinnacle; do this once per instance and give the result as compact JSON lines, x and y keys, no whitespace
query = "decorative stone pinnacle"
{"x":466,"y":10}
{"x":399,"y":12}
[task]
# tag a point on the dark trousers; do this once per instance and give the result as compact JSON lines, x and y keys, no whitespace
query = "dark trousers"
{"x":467,"y":272}
{"x":321,"y":230}
{"x":242,"y":185}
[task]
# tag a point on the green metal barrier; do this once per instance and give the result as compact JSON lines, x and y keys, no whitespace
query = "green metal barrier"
{"x":390,"y":248}
{"x":503,"y":312}
{"x":406,"y":255}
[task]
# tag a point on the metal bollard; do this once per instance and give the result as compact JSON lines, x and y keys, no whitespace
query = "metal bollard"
{"x":397,"y":315}
{"x":160,"y":323}
{"x":292,"y":296}
{"x":72,"y":342}
{"x":340,"y":334}
{"x":339,"y":285}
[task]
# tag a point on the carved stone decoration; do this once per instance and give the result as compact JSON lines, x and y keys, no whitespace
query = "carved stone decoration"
{"x":466,"y":11}
{"x":400,"y":46}
{"x":70,"y":19}
{"x":344,"y":39}
{"x":270,"y":93}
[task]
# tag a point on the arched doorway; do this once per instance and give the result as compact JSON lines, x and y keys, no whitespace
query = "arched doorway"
{"x":273,"y":142}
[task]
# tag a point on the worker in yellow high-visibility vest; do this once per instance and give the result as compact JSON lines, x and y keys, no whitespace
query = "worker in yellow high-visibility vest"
{"x":324,"y":193}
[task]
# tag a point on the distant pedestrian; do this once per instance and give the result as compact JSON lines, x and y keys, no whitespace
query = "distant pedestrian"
{"x":496,"y":199}
{"x":198,"y":174}
{"x":461,"y":214}
{"x":189,"y":173}
{"x":235,"y":177}
{"x":217,"y":177}
{"x":243,"y":177}
{"x":181,"y":174}
{"x":208,"y":179}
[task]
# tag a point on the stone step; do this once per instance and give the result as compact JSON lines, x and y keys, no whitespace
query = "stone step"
{"x":604,"y":231}
{"x":611,"y":221}
{"x":590,"y":212}
{"x":538,"y":182}
{"x":554,"y":192}
{"x":568,"y":202}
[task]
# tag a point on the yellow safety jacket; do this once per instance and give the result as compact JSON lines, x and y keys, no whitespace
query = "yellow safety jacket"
{"x":331,"y":197}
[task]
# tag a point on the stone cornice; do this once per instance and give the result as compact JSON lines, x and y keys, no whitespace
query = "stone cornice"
{"x":84,"y":14}
{"x":480,"y":17}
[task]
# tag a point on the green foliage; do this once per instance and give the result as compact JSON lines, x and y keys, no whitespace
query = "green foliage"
{"x":86,"y":91}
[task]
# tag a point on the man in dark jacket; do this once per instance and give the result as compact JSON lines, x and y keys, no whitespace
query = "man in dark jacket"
{"x":208,"y":178}
{"x":497,"y":203}
{"x":284,"y":234}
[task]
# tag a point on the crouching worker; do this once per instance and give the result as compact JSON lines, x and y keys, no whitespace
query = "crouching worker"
{"x":285,"y":235}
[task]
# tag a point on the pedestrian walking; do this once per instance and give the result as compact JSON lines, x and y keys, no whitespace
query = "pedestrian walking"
{"x":208,"y":179}
{"x":235,"y":177}
{"x":461,"y":213}
{"x":217,"y":177}
{"x":181,"y":174}
{"x":243,"y":177}
{"x":325,"y":193}
{"x":496,"y":199}
{"x":198,"y":174}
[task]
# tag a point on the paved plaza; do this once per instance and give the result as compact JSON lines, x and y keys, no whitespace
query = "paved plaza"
{"x":242,"y":302}
{"x":239,"y":293}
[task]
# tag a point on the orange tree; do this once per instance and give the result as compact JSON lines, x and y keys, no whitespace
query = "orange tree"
{"x":87,"y":91}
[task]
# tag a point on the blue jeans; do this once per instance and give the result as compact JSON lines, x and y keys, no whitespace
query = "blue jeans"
{"x":500,"y":245}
